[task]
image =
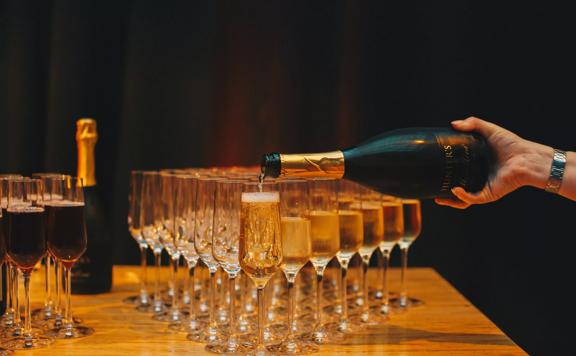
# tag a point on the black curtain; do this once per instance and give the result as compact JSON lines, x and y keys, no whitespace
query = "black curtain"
{"x":181,"y":83}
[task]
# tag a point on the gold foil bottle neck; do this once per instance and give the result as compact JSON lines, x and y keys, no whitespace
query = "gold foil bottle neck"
{"x":86,"y":137}
{"x":310,"y":165}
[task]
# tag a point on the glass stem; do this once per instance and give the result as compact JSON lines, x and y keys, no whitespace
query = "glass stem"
{"x":344,"y":291}
{"x":143,"y":275}
{"x":158,"y":268}
{"x":385,"y":296}
{"x":192,"y":286}
{"x":261,"y":317}
{"x":213,"y":323}
{"x":15,"y":298}
{"x":68,"y":310}
{"x":319,"y":277}
{"x":10,"y":289}
{"x":232,"y":305}
{"x":186,"y":286}
{"x":291,"y":325}
{"x":174,"y":273}
{"x":58,"y":305}
{"x":27,"y":332}
{"x":404,"y":270}
{"x":47,"y":281}
{"x":365,"y":305}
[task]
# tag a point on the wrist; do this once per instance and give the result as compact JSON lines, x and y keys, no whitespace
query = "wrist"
{"x":537,"y":162}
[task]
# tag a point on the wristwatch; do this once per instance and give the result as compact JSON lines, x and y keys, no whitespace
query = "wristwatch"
{"x":556,"y":172}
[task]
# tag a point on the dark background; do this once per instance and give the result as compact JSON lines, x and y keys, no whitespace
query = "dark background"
{"x":181,"y":83}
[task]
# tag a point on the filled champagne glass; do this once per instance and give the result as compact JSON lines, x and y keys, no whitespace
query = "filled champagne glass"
{"x":325,"y":237}
{"x":296,"y":251}
{"x":351,"y":240}
{"x":67,"y":241}
{"x":10,"y":320}
{"x":260,"y":242}
{"x":49,"y":310}
{"x":142,"y":300}
{"x":25,"y":247}
{"x":412,"y":228}
{"x":393,"y":231}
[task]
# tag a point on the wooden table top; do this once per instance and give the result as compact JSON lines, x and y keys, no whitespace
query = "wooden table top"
{"x":446,"y":324}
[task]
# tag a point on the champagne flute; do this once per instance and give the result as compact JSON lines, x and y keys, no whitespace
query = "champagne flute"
{"x":9,"y":319}
{"x":2,"y":258}
{"x":48,"y":311}
{"x":67,"y":241}
{"x":172,"y":214}
{"x":296,"y":251}
{"x":25,"y":246}
{"x":412,"y":229}
{"x":142,"y":300}
{"x":204,"y":224}
{"x":351,"y":240}
{"x":151,"y":225}
{"x":225,"y":248}
{"x":325,"y":235}
{"x":260,"y":242}
{"x":186,"y":247}
{"x":393,"y":232}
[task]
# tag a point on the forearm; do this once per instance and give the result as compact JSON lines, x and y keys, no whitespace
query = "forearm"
{"x":538,"y":162}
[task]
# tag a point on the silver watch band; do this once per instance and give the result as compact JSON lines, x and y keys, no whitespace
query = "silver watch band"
{"x":556,"y":172}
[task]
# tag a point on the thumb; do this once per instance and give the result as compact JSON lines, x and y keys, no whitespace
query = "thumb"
{"x":475,"y":124}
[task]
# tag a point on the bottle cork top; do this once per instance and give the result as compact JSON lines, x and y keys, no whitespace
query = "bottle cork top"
{"x":86,"y":129}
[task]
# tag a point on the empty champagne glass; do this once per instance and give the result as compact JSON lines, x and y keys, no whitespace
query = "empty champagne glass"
{"x":173,"y":209}
{"x":260,"y":242}
{"x":67,"y":241}
{"x":412,"y":229}
{"x":204,"y":224}
{"x":151,"y":225}
{"x":25,"y":246}
{"x":142,"y":300}
{"x":325,"y":236}
{"x":225,"y":248}
{"x":296,"y":251}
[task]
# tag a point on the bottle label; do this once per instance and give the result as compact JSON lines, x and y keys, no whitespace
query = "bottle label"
{"x":327,"y":165}
{"x":456,"y":162}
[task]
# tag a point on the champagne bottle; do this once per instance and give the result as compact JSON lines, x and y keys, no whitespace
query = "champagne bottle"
{"x":93,"y":271}
{"x":410,"y":163}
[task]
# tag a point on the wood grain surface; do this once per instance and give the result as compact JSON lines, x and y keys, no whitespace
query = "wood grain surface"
{"x":447,"y":324}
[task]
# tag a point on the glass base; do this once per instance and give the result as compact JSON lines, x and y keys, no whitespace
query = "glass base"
{"x":42,"y":314}
{"x":369,"y":319}
{"x":293,"y":347}
{"x":172,"y":316}
{"x":189,"y":326}
{"x":229,"y":348}
{"x":27,"y":342}
{"x":5,"y":352}
{"x":397,"y":303}
{"x":208,"y":336}
{"x":74,"y":332}
{"x":322,"y":336}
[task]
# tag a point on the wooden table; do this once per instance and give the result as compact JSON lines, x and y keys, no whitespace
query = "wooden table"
{"x":446,"y":324}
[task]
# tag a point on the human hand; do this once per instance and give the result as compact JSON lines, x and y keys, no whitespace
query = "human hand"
{"x":519,"y":162}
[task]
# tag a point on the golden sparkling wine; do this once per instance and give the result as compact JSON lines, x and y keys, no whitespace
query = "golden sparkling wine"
{"x":324,"y":230}
{"x":393,"y":217}
{"x":373,"y":226}
{"x":296,"y":244}
{"x":351,"y":232}
{"x":412,"y":221}
{"x":260,"y":236}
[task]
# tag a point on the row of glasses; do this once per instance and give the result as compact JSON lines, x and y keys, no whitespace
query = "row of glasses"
{"x":321,"y":218}
{"x":38,"y":219}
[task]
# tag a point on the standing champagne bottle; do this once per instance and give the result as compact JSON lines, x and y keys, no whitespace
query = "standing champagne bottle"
{"x":409,"y":163}
{"x":93,"y":272}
